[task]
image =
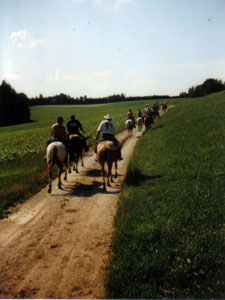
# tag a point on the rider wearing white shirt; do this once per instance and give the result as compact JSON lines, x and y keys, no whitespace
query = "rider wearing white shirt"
{"x":107,"y":129}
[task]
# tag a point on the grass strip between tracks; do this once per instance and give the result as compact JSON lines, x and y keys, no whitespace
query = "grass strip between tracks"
{"x":169,"y":229}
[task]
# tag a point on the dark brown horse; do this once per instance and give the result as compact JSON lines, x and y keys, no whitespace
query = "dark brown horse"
{"x":77,"y":144}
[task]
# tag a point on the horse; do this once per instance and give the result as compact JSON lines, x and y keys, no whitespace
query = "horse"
{"x":148,"y":120}
{"x":77,"y":144}
{"x":56,"y":153}
{"x":129,"y":126}
{"x":107,"y":152}
{"x":139,"y":123}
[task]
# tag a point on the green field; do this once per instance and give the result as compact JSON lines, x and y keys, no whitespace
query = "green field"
{"x":169,"y":229}
{"x":22,"y":147}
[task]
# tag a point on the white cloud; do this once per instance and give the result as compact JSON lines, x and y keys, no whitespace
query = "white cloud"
{"x":78,"y":1}
{"x":100,"y":75}
{"x":70,"y":77}
{"x":118,"y":3}
{"x":11,"y":76}
{"x":23,"y":39}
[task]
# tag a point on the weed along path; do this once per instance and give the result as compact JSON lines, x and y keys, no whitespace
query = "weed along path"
{"x":56,"y":245}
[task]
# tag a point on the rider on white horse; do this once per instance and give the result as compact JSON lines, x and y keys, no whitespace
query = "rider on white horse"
{"x":130,"y":116}
{"x":58,"y":132}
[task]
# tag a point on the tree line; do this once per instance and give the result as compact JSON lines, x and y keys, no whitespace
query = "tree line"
{"x":66,"y":99}
{"x":209,"y":86}
{"x":14,"y":107}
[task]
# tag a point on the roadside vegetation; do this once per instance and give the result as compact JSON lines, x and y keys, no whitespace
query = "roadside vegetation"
{"x":169,"y":229}
{"x":22,"y":147}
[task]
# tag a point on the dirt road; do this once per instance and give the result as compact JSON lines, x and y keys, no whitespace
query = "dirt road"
{"x":55,"y":246}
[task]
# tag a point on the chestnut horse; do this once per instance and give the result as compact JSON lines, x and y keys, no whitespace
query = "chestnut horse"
{"x":107,"y":152}
{"x":56,"y":154}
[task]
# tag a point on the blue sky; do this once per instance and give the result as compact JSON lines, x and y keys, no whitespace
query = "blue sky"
{"x":102,"y":47}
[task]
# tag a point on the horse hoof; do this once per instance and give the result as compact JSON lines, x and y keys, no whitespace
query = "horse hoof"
{"x":115,"y":176}
{"x":49,"y":190}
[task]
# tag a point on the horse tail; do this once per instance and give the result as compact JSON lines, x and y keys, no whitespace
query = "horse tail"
{"x":53,"y":153}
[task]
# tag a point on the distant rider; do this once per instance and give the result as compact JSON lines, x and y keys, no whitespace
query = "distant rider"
{"x":130,"y":116}
{"x":107,"y":129}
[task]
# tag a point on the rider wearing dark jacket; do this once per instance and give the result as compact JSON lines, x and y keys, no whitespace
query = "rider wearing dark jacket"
{"x":74,"y":126}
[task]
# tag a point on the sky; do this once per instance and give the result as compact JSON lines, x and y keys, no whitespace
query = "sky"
{"x":98,"y":48}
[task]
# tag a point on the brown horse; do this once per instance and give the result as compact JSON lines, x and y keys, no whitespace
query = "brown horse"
{"x":107,"y":152}
{"x":56,"y":154}
{"x":77,"y":144}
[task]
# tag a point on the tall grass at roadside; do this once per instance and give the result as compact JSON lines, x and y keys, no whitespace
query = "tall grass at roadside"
{"x":22,"y":146}
{"x":169,"y":229}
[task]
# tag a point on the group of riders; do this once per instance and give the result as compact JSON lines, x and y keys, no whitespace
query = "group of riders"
{"x":106,"y":128}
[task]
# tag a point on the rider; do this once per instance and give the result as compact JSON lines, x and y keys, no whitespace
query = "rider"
{"x":139,"y":113}
{"x":73,"y":127}
{"x":107,"y":129}
{"x":58,"y":132}
{"x":148,"y":113}
{"x":130,"y":116}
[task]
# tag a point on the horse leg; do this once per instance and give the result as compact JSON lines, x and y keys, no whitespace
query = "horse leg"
{"x":103,"y":176}
{"x":59,"y":171}
{"x":76,"y":163}
{"x":115,"y":176}
{"x":50,"y":182}
{"x":109,"y":173}
{"x":66,"y":168}
{"x":82,"y":162}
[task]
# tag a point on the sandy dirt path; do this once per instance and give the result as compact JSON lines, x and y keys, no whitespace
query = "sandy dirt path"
{"x":56,"y":246}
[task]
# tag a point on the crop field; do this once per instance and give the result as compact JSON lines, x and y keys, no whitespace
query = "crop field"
{"x":22,"y":147}
{"x":169,"y":240}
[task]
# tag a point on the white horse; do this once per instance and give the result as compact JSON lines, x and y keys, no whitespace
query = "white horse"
{"x":139,"y":123}
{"x":129,"y":126}
{"x":56,"y":154}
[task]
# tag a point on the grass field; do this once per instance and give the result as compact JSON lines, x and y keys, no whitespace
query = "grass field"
{"x":169,"y":229}
{"x":22,"y":147}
